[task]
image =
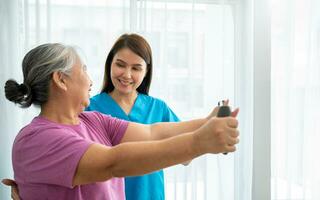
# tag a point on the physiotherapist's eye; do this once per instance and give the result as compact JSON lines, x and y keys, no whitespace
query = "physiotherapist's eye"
{"x":120,"y":65}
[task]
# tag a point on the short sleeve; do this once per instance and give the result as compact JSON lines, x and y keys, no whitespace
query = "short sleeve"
{"x":169,"y":115}
{"x":114,"y":128}
{"x":49,"y":156}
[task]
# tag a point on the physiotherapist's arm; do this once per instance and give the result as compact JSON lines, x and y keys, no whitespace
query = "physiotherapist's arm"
{"x":158,"y":131}
{"x":163,"y":130}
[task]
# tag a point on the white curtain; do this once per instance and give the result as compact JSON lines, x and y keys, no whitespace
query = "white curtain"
{"x":201,"y":55}
{"x":295,"y":99}
{"x":12,"y":50}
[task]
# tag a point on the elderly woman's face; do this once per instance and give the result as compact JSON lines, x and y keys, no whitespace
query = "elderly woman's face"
{"x":79,"y":85}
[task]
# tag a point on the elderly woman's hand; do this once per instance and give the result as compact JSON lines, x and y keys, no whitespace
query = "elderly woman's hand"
{"x":216,"y":109}
{"x":217,"y":135}
{"x":14,"y":188}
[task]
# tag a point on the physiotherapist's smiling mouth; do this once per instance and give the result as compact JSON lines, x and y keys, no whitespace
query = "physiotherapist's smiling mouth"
{"x":125,"y":83}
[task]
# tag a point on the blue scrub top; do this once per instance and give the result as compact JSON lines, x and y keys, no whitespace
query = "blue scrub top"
{"x":146,"y":110}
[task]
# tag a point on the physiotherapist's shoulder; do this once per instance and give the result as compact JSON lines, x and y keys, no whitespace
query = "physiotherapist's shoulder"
{"x":152,"y":99}
{"x":160,"y":108}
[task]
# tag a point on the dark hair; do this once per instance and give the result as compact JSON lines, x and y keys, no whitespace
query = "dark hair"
{"x":38,"y":66}
{"x":139,"y":46}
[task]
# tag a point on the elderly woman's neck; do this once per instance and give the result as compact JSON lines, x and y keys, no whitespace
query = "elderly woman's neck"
{"x":60,"y":114}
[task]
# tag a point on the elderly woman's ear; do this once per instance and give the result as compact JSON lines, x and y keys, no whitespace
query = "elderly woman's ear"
{"x":58,"y":80}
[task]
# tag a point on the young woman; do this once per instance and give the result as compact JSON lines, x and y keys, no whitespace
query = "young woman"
{"x":125,"y":95}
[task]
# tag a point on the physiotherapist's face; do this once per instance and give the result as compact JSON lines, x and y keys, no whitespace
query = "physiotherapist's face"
{"x":127,"y":71}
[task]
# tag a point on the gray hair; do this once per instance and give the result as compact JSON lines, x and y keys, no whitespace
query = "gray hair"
{"x":38,"y":66}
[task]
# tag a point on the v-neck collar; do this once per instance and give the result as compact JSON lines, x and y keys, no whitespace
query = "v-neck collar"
{"x":126,"y":116}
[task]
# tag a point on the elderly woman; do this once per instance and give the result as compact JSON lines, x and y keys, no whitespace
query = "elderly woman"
{"x":65,"y":153}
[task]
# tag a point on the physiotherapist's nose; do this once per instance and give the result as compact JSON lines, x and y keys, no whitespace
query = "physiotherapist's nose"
{"x":127,"y":73}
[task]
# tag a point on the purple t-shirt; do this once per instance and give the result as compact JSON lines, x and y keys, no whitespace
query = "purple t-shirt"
{"x":45,"y":156}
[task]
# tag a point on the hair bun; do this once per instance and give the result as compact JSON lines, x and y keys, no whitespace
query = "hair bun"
{"x":20,"y":94}
{"x":24,"y":89}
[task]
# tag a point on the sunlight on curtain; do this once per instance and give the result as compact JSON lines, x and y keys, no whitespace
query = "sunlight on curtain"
{"x":295,"y":99}
{"x":200,"y":57}
{"x":194,"y":68}
{"x":194,"y":50}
